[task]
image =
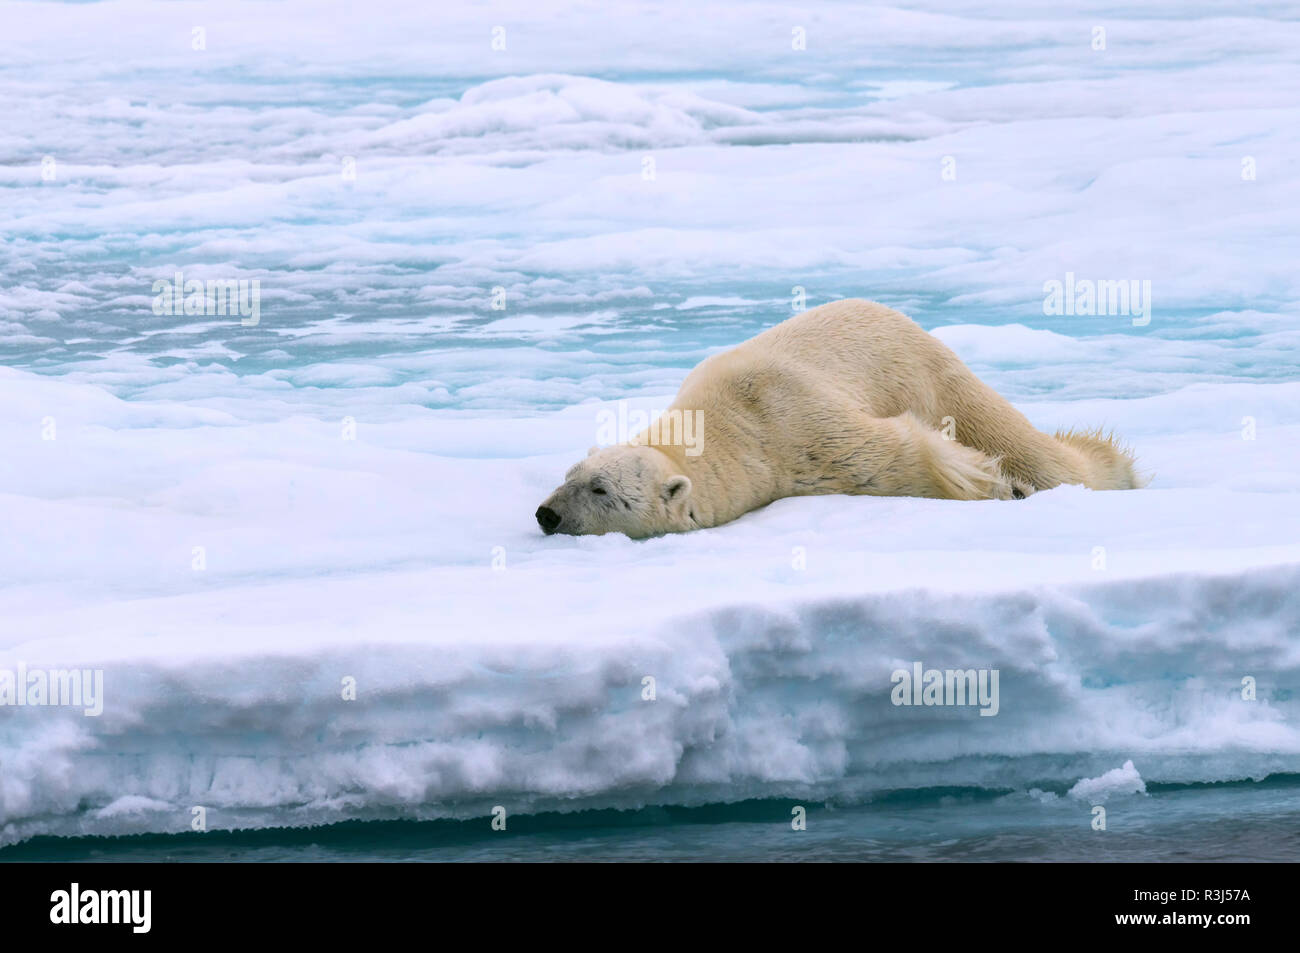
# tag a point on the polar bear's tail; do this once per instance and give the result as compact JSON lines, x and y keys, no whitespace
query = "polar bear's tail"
{"x":1107,"y":463}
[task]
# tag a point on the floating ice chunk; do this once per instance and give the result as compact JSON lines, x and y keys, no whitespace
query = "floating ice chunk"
{"x":1125,"y":780}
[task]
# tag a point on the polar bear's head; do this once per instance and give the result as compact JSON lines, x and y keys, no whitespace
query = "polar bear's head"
{"x":634,"y":490}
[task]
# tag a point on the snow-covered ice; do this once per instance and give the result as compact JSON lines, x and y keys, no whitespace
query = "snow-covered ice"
{"x":356,"y":474}
{"x":494,"y":665}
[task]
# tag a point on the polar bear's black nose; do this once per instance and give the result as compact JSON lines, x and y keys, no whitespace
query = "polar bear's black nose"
{"x":547,"y":519}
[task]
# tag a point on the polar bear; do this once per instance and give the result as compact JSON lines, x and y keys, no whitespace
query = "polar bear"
{"x":849,"y":397}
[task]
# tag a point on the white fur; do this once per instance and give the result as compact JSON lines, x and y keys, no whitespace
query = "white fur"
{"x":850,"y":397}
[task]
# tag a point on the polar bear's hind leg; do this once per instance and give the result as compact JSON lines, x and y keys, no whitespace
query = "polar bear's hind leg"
{"x":1107,"y":464}
{"x":902,"y":456}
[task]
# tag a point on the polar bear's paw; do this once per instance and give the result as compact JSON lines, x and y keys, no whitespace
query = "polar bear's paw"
{"x":953,"y":471}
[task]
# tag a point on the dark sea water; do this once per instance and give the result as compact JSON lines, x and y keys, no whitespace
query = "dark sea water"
{"x":1240,"y":822}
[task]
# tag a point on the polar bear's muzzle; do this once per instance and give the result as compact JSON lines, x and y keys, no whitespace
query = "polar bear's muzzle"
{"x":548,"y":519}
{"x":562,"y":512}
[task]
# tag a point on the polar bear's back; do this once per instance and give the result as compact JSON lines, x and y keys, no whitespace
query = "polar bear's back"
{"x":808,"y":378}
{"x":880,"y":361}
{"x":854,"y":336}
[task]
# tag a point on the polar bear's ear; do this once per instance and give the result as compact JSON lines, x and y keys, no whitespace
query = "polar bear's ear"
{"x":676,"y":488}
{"x":592,"y":449}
